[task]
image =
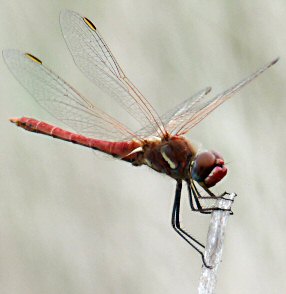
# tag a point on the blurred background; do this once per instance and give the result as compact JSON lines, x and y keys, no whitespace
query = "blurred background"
{"x":72,"y":222}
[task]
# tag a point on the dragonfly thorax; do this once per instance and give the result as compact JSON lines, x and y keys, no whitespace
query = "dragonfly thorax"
{"x":172,"y":156}
{"x":179,"y":158}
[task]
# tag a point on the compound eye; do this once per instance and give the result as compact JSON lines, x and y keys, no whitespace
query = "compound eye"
{"x":208,"y":168}
{"x":203,"y":165}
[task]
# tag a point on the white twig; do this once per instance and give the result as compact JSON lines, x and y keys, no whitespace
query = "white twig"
{"x":214,"y":246}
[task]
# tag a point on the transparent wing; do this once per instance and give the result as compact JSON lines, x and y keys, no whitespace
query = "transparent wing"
{"x":182,"y":118}
{"x":175,"y":117}
{"x":61,"y":100}
{"x":93,"y":57}
{"x":204,"y":106}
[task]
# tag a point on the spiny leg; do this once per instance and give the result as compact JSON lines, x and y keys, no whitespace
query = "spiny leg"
{"x":198,"y":196}
{"x":208,"y":210}
{"x":176,"y":224}
{"x":199,"y":207}
{"x":193,"y":192}
{"x":212,"y":195}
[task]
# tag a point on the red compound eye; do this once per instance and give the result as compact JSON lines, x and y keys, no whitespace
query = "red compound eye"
{"x":208,"y":168}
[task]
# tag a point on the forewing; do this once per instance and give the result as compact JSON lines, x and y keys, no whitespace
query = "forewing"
{"x":93,"y":57}
{"x":61,"y":100}
{"x":204,"y":106}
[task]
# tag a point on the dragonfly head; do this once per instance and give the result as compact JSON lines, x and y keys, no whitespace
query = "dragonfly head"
{"x":208,"y":168}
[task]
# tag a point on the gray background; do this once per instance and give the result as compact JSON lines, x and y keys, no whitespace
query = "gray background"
{"x":72,"y":222}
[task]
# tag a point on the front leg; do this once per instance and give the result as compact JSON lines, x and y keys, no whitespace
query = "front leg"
{"x":211,"y":194}
{"x":194,"y":194}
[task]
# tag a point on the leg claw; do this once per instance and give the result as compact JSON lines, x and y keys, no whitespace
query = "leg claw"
{"x":225,"y":198}
{"x":205,"y":263}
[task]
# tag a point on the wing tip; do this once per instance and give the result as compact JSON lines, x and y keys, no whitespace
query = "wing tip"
{"x":5,"y":53}
{"x":208,"y":89}
{"x":64,"y":13}
{"x":274,"y":61}
{"x":68,"y":13}
{"x":10,"y":56}
{"x":14,"y":120}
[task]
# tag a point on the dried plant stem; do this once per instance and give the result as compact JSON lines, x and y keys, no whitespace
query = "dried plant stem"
{"x":214,"y":246}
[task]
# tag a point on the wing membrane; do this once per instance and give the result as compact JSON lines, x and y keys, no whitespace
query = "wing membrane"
{"x":205,"y":106}
{"x":186,"y":115}
{"x":177,"y":116}
{"x":93,"y":57}
{"x":61,"y":100}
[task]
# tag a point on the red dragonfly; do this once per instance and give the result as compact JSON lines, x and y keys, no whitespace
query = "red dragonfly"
{"x":159,"y":144}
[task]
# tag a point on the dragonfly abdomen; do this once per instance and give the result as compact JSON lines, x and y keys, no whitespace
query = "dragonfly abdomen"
{"x":122,"y":150}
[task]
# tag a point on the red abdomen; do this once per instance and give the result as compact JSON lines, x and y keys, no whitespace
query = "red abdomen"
{"x":121,"y":150}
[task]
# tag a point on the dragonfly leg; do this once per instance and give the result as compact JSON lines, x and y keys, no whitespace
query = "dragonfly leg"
{"x":177,"y":227}
{"x":213,"y":196}
{"x":194,"y":194}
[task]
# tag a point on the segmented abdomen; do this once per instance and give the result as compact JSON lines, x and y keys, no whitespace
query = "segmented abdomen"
{"x":116,"y":149}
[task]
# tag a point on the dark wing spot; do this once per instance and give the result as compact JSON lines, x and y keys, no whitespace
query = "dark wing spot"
{"x":33,"y":58}
{"x":89,"y":23}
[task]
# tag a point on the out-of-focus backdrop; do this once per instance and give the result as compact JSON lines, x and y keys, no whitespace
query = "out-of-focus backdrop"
{"x":72,"y":222}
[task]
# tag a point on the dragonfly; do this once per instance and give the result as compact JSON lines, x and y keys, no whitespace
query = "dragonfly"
{"x":160,"y":143}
